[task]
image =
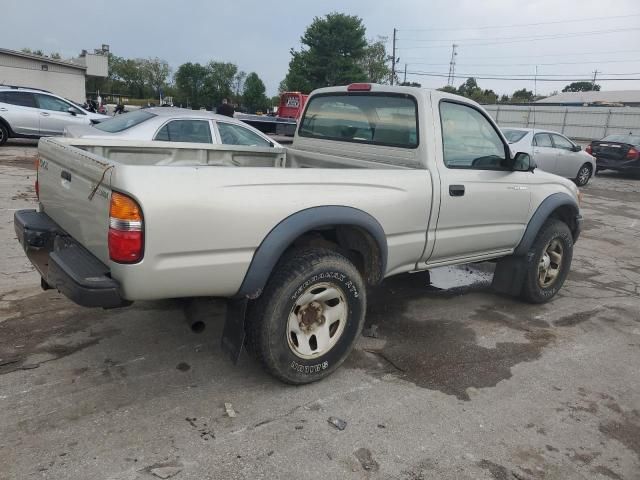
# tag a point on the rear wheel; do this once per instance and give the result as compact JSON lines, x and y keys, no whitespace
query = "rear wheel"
{"x":584,"y":174}
{"x":548,"y":262}
{"x":4,"y":134}
{"x":309,"y":316}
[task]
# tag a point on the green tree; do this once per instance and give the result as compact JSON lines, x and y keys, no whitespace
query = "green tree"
{"x":582,"y":87}
{"x":333,"y":51}
{"x":238,"y":86}
{"x":375,"y":62}
{"x":449,"y":89}
{"x":253,"y":96}
{"x":219,"y":82}
{"x":522,"y":96}
{"x":155,"y":72}
{"x":504,"y":99}
{"x":411,"y":84}
{"x":190,"y":82}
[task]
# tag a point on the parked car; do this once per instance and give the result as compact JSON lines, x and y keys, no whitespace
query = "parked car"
{"x":379,"y":180}
{"x":553,"y":153}
{"x":33,"y":113}
{"x":617,"y":152}
{"x":169,"y":124}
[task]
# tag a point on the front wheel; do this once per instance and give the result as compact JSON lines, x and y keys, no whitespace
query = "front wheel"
{"x":583,"y":176}
{"x":309,"y":316}
{"x":548,"y":262}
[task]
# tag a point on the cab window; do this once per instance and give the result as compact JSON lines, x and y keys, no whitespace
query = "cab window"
{"x":542,"y":140}
{"x":469,"y":140}
{"x":21,"y":99}
{"x":47,"y":102}
{"x":194,"y":131}
{"x":562,"y":143}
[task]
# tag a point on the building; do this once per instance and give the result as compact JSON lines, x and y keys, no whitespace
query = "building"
{"x":621,"y":98}
{"x":62,"y":77}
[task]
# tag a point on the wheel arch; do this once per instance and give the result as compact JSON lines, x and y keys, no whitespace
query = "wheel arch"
{"x":7,"y":126}
{"x":346,"y":229}
{"x":558,"y":205}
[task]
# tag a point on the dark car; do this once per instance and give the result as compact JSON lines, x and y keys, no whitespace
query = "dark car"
{"x":617,"y":152}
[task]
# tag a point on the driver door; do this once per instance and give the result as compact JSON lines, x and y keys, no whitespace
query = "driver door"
{"x":484,"y":203}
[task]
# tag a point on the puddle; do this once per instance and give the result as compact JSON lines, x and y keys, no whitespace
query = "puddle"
{"x":462,"y":277}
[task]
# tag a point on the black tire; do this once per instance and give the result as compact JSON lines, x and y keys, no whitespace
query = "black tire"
{"x":532,"y":289}
{"x":4,"y":134}
{"x":584,"y":174}
{"x":268,"y":335}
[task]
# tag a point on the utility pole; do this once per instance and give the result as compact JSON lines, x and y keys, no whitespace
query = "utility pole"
{"x":595,"y":75}
{"x":405,"y":73}
{"x":452,"y":65}
{"x":393,"y":57}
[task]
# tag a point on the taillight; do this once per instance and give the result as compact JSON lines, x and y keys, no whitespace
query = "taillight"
{"x":359,"y":87}
{"x":632,"y":154}
{"x":37,"y":184}
{"x":588,"y":149}
{"x":126,"y":239}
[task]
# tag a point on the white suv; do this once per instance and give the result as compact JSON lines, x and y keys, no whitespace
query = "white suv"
{"x":33,"y":113}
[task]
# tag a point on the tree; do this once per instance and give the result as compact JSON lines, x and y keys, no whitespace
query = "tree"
{"x":449,"y":89}
{"x":410,"y":84}
{"x":374,"y":61}
{"x":333,"y":51}
{"x":504,"y":99}
{"x":582,"y":87}
{"x":238,"y":86}
{"x":219,"y":81}
{"x":253,"y":96}
{"x":190,"y":82}
{"x":155,"y":72}
{"x":522,"y":96}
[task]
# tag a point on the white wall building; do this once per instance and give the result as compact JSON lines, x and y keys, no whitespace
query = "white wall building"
{"x":58,"y":76}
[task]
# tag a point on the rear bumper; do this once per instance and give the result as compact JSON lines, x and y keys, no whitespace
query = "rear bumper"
{"x":632,"y":166}
{"x":64,"y":264}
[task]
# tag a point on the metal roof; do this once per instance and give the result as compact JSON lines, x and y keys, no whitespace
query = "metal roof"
{"x":612,"y":96}
{"x":39,"y":58}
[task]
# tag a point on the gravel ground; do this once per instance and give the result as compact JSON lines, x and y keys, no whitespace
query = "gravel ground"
{"x":458,"y":383}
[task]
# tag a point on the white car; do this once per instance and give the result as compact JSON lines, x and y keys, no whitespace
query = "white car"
{"x":168,"y":124}
{"x":553,"y":153}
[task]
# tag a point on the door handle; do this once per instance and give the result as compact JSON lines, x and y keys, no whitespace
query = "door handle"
{"x":456,"y":190}
{"x":65,"y":175}
{"x":3,"y":109}
{"x":44,"y":114}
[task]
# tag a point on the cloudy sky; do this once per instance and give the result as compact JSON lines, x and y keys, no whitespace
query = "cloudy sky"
{"x":497,"y":38}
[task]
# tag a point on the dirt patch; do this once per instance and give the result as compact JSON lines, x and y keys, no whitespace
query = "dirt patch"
{"x":366,"y":460}
{"x":626,"y":432}
{"x":575,"y":318}
{"x":498,"y":472}
{"x":20,"y":161}
{"x":607,"y":472}
{"x":435,"y":353}
{"x":45,"y":325}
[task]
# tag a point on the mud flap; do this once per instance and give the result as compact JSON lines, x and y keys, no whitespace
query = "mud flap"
{"x":233,"y":333}
{"x":509,"y":275}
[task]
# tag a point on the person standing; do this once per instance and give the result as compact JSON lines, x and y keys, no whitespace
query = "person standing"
{"x":225,"y":108}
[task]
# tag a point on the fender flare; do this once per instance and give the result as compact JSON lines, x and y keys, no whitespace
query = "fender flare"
{"x":542,"y":213}
{"x":282,"y":236}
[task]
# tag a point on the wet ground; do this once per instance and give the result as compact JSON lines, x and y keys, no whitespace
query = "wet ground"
{"x":449,"y":381}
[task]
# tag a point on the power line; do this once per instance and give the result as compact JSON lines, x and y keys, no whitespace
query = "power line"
{"x":546,"y":55}
{"x":586,"y":75}
{"x":478,"y":77}
{"x":517,"y":25}
{"x":529,"y":64}
{"x":520,"y":39}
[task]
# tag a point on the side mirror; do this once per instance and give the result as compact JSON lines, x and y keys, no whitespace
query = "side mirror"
{"x":72,"y":111}
{"x":576,"y":148}
{"x":522,"y":162}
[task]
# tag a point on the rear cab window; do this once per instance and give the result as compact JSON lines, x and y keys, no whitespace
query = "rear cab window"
{"x":371,"y":118}
{"x":124,"y":121}
{"x":191,"y":131}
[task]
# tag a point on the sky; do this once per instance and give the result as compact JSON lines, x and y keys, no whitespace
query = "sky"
{"x":496,"y":38}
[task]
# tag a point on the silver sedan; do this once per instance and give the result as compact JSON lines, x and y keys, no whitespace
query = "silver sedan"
{"x":174,"y":125}
{"x":553,"y":153}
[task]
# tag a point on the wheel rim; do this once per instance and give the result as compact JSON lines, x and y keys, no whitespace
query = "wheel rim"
{"x":317,"y":320}
{"x":550,"y":263}
{"x":583,"y":175}
{"x":1,"y":135}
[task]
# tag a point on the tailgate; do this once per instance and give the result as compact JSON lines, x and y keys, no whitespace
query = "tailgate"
{"x":66,"y":177}
{"x":610,"y":150}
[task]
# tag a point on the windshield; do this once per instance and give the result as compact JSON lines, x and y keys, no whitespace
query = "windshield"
{"x":124,"y":121}
{"x":514,"y":136}
{"x":632,"y":139}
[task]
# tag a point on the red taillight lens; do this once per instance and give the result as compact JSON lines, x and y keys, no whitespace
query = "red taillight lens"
{"x":588,"y":149}
{"x":125,"y":247}
{"x":632,"y":154}
{"x":126,"y":238}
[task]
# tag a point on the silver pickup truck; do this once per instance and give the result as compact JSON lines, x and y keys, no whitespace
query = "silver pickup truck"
{"x":379,"y":180}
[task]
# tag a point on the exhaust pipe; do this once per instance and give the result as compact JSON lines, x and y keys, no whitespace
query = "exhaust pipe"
{"x":196,"y":310}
